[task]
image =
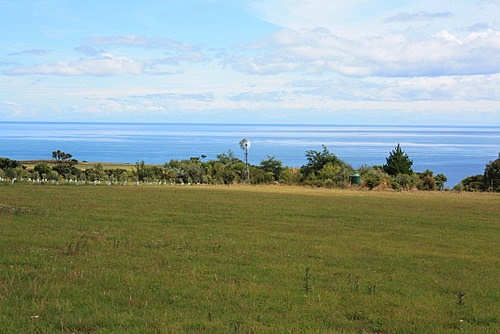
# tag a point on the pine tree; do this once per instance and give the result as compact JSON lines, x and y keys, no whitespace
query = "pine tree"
{"x":398,"y":162}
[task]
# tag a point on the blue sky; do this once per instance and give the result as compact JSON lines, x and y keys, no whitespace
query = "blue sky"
{"x":262,"y":61}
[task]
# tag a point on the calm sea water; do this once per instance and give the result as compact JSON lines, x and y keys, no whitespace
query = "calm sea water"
{"x":456,"y":151}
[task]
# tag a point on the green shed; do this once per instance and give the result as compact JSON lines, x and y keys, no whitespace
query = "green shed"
{"x":356,"y":179}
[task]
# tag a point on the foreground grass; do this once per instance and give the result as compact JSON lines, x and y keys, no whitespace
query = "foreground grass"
{"x":246,"y":260}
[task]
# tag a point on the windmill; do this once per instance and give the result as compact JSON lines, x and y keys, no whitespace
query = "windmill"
{"x":245,"y":146}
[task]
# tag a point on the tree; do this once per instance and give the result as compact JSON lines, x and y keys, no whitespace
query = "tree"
{"x":492,"y":175}
{"x":260,"y":176}
{"x":146,"y":173}
{"x":440,"y":181}
{"x":64,"y":163}
{"x":226,"y":170}
{"x":227,"y":158}
{"x":227,"y":174}
{"x":141,"y":170}
{"x":398,"y":162}
{"x":273,"y":166}
{"x":11,"y":173}
{"x":334,"y":175}
{"x":193,"y":170}
{"x":471,"y":183}
{"x":317,"y":160}
{"x":12,"y":169}
{"x":325,"y":169}
{"x":9,"y":163}
{"x":43,"y":170}
{"x":95,"y":173}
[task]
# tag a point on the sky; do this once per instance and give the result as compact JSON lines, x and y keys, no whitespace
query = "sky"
{"x":428,"y":62}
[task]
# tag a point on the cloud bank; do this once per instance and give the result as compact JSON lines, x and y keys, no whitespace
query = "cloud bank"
{"x":289,"y":55}
{"x":301,"y":51}
{"x":320,"y":51}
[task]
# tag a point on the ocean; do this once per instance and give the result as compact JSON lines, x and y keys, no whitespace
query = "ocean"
{"x":456,"y":151}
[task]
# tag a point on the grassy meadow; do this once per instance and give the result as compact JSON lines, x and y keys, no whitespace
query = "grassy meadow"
{"x":204,"y":259}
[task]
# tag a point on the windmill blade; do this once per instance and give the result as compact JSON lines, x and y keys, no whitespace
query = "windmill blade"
{"x":245,"y":144}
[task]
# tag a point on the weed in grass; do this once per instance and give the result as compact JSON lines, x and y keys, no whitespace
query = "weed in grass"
{"x":357,"y":316}
{"x":371,"y":289}
{"x":117,"y":242}
{"x":307,"y":281}
{"x":460,"y":298}
{"x":74,"y":247}
{"x":240,"y":327}
{"x":215,"y":244}
{"x":216,"y":247}
{"x":354,"y":284}
{"x":236,"y":327}
{"x":155,"y":244}
{"x":183,"y":246}
{"x":13,"y":209}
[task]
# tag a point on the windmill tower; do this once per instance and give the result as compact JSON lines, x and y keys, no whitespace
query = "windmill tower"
{"x":245,"y":146}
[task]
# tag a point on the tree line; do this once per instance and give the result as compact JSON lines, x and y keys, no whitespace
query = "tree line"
{"x":322,"y":169}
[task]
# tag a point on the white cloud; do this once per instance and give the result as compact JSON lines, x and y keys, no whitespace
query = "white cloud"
{"x":320,"y":51}
{"x":31,"y":52}
{"x":105,"y":65}
{"x":8,"y":103}
{"x":359,"y":18}
{"x":89,"y":50}
{"x":206,"y":97}
{"x":141,"y":41}
{"x":448,"y":88}
{"x":419,"y":16}
{"x":344,"y":92}
{"x":268,"y":96}
{"x":101,"y":62}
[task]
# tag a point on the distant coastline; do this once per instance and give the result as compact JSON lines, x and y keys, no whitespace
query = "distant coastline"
{"x":456,"y":151}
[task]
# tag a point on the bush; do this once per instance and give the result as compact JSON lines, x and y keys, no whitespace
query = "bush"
{"x":43,"y":169}
{"x":259,"y":175}
{"x":471,"y":183}
{"x":402,"y":182}
{"x":290,"y":176}
{"x":426,"y":181}
{"x":372,"y":177}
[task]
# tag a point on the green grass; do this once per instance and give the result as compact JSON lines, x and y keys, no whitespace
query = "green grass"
{"x":151,"y":259}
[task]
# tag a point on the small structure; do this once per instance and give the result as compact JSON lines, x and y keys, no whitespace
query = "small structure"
{"x":355,"y":179}
{"x":245,"y":146}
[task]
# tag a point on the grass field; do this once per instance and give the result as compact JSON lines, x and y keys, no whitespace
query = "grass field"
{"x":161,"y":259}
